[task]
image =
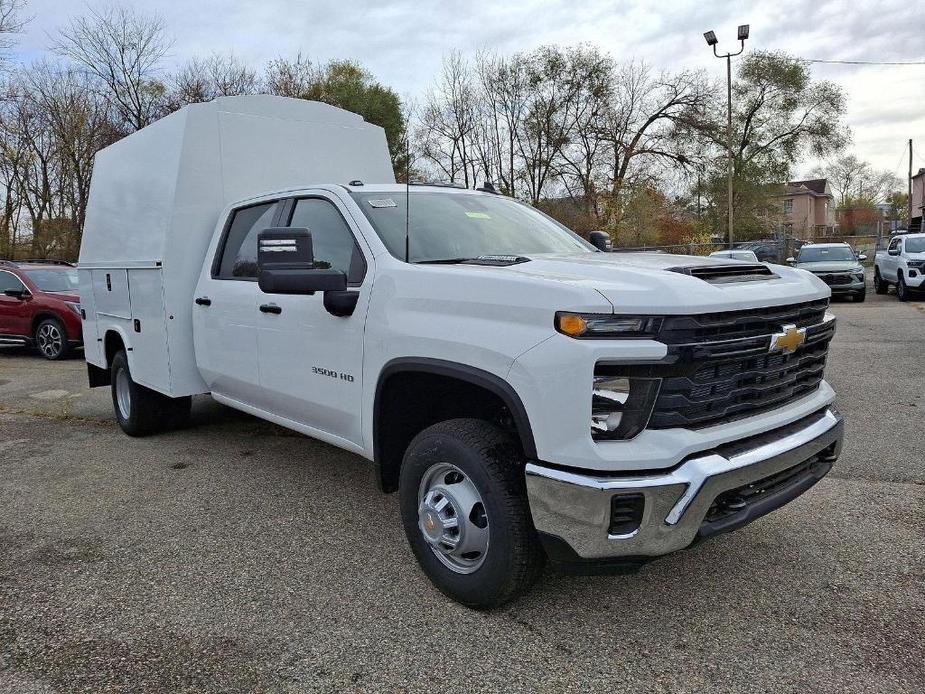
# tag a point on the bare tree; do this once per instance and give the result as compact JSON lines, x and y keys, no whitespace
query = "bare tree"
{"x":204,"y":79}
{"x":448,"y":122}
{"x":11,"y":22}
{"x":855,"y":180}
{"x":293,"y":78}
{"x":122,"y":49}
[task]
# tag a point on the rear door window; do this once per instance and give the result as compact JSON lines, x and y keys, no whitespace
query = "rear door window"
{"x":239,"y":251}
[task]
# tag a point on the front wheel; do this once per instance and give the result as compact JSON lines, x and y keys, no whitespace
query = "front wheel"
{"x":902,"y":291}
{"x":141,"y":411}
{"x":880,"y":286}
{"x":51,"y":339}
{"x":465,"y":512}
{"x":861,"y":295}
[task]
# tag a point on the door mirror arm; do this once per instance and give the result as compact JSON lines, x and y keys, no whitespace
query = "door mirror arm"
{"x":341,"y":303}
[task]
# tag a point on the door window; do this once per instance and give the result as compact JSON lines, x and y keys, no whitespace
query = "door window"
{"x":10,"y":281}
{"x":239,"y":253}
{"x":333,"y":245}
{"x":894,"y":244}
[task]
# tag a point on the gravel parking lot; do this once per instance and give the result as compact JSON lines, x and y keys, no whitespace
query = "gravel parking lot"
{"x":235,"y":556}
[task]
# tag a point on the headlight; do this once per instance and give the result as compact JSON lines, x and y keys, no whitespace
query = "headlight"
{"x":606,"y":325}
{"x":917,"y":264}
{"x":858,"y":275}
{"x":74,"y":306}
{"x":620,"y":406}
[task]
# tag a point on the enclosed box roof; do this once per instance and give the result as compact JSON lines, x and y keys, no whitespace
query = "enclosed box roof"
{"x":156,"y":195}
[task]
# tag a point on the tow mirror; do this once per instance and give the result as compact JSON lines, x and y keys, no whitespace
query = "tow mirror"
{"x":16,"y":293}
{"x":601,"y":240}
{"x":791,"y":259}
{"x":286,"y":265}
{"x":893,"y":251}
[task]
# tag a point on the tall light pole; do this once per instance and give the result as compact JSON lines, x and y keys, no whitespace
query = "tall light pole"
{"x":712,"y":41}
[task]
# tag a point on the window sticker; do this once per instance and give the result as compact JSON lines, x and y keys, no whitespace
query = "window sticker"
{"x":382,"y":202}
{"x":477,"y":215}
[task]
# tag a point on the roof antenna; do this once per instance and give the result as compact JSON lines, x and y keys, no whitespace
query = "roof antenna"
{"x":407,"y":197}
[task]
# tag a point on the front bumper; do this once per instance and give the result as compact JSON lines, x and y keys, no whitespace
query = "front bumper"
{"x":915,"y":278}
{"x":572,"y":510}
{"x":853,"y":288}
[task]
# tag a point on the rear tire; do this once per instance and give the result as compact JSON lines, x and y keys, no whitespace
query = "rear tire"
{"x":462,"y":486}
{"x":880,"y":285}
{"x":141,"y":411}
{"x":51,"y":339}
{"x":902,"y":291}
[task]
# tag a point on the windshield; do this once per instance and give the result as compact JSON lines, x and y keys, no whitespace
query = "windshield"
{"x":915,"y":245}
{"x":446,"y":226}
{"x":832,"y":254}
{"x":54,"y":280}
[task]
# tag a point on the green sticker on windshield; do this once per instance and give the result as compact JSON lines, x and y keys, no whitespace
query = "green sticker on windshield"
{"x":477,"y":215}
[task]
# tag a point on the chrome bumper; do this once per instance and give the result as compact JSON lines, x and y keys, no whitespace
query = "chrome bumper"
{"x":575,"y":508}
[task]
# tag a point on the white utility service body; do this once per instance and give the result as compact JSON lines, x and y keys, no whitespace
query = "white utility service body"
{"x":477,"y":338}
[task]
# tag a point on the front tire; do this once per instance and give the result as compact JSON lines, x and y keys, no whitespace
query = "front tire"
{"x":51,"y":339}
{"x":464,"y":509}
{"x":902,"y":291}
{"x":141,"y":411}
{"x":880,"y":286}
{"x":860,"y":296}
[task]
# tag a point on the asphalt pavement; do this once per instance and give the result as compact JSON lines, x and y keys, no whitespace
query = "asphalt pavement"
{"x":237,"y":556}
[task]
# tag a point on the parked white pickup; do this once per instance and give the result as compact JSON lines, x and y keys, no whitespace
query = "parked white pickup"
{"x":902,"y":264}
{"x":529,"y":396}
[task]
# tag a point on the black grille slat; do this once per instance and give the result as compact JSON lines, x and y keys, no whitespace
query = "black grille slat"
{"x":733,"y":324}
{"x":733,"y":374}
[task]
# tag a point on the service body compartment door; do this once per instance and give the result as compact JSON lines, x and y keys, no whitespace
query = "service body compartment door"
{"x":150,"y":357}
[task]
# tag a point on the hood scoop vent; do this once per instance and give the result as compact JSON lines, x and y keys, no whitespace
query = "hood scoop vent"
{"x":725,"y":274}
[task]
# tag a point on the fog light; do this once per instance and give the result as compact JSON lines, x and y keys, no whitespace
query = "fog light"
{"x":620,"y":406}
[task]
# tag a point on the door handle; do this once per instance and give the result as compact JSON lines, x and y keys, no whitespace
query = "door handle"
{"x":270,"y":308}
{"x":204,"y":301}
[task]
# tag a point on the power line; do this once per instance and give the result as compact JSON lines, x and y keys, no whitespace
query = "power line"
{"x":863,"y":62}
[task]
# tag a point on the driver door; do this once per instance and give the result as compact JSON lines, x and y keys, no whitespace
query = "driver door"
{"x":311,"y":362}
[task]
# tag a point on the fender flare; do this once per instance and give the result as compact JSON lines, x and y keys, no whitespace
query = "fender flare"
{"x":463,"y":372}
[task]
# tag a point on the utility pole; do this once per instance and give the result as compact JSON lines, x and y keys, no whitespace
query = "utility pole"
{"x":909,"y":201}
{"x":711,"y":40}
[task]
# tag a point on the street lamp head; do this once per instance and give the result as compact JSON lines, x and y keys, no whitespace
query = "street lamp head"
{"x":743,"y":32}
{"x":711,"y":37}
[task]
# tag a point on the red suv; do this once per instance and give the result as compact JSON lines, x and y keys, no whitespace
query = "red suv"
{"x":39,"y":306}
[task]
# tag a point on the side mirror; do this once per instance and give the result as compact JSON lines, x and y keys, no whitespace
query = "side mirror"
{"x":286,"y":264}
{"x":791,"y":259}
{"x":893,"y":251}
{"x":20,"y":294}
{"x":601,"y":240}
{"x":862,"y":257}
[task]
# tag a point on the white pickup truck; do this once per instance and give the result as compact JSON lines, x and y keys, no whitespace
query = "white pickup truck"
{"x":901,"y":264}
{"x":530,"y":397}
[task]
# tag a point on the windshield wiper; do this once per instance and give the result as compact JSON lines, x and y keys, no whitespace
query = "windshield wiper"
{"x":444,"y":261}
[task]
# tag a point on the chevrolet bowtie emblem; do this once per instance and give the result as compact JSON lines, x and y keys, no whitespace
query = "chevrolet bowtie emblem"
{"x":788,"y":340}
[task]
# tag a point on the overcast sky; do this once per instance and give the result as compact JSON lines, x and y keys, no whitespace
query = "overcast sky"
{"x":402,"y":42}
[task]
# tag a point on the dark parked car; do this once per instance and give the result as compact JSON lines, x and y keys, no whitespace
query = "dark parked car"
{"x":39,"y":306}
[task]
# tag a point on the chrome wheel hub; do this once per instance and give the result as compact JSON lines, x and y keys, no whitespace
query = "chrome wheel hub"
{"x":452,"y":518}
{"x":123,"y":394}
{"x":50,"y":340}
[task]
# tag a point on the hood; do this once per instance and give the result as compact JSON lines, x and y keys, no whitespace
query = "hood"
{"x":646,"y":283}
{"x":65,"y":296}
{"x":831,"y":266}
